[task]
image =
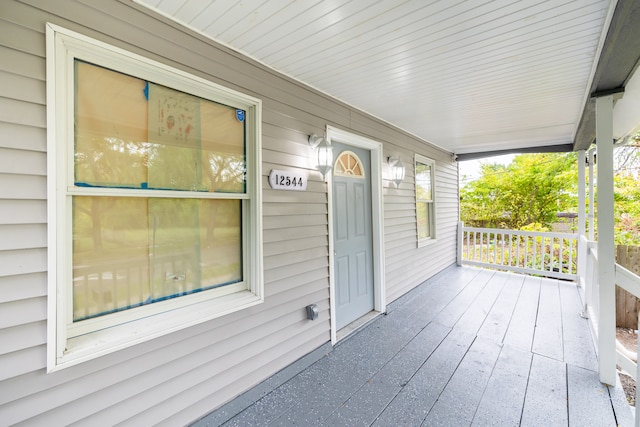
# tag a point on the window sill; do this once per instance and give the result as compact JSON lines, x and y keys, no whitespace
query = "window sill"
{"x":426,"y":242}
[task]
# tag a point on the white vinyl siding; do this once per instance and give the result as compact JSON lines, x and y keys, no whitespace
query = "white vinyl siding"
{"x":177,"y":378}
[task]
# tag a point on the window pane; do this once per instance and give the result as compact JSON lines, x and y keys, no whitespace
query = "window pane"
{"x":348,"y":164}
{"x":110,"y":128}
{"x":424,"y":219}
{"x":129,"y":252}
{"x":135,"y":134}
{"x":223,"y":139}
{"x":423,"y":182}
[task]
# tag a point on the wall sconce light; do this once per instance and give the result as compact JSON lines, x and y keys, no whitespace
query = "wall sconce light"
{"x":397,"y":170}
{"x":324,"y":153}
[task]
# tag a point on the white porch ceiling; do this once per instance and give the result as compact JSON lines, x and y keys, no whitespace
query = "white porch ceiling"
{"x":469,"y":76}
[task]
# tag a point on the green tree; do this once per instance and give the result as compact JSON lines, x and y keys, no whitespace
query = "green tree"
{"x":532,"y":189}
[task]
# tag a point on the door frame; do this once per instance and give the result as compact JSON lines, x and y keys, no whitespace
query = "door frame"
{"x":377,"y":221}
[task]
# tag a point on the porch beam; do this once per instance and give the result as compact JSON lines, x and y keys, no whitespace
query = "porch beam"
{"x":559,"y":148}
{"x":606,"y":248}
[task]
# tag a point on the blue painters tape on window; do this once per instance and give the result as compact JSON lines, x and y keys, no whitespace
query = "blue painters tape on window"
{"x":145,"y":186}
{"x":150,"y":300}
{"x":146,"y":90}
{"x":126,"y":187}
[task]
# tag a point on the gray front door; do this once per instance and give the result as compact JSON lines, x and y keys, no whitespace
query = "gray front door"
{"x":352,"y":233}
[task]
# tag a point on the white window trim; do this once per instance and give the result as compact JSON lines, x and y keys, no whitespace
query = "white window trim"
{"x":63,"y":349}
{"x":427,"y":161}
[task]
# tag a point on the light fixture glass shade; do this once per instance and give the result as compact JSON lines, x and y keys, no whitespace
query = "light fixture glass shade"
{"x":397,"y":170}
{"x":324,"y":152}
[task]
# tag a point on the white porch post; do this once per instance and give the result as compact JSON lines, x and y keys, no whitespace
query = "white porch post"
{"x":460,"y":243}
{"x":606,"y":249}
{"x":591,"y":214}
{"x":582,"y":220}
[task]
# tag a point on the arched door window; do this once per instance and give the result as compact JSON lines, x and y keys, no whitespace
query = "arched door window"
{"x":348,"y":164}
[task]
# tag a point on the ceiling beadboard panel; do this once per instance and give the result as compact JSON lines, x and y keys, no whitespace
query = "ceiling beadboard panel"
{"x":469,"y":76}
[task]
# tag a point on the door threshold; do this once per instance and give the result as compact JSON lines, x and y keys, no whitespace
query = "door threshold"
{"x":356,"y":325}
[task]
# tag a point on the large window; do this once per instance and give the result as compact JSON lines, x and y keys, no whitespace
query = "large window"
{"x":154,"y":199}
{"x":425,"y":199}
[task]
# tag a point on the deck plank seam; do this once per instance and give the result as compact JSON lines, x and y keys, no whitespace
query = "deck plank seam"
{"x":486,"y":385}
{"x":415,"y":373}
{"x":426,"y":415}
{"x":526,"y":390}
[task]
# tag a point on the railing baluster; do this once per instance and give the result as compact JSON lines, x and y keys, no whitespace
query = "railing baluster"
{"x":474,"y":245}
{"x":561,"y":254}
{"x":495,"y":247}
{"x":506,"y":260}
{"x":468,"y":241}
{"x":465,"y":244}
{"x":511,"y":261}
{"x":486,"y":247}
{"x":552,"y":257}
{"x":540,"y":254}
{"x":570,"y":266}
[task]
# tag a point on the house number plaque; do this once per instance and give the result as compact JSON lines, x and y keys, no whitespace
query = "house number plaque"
{"x":287,"y":180}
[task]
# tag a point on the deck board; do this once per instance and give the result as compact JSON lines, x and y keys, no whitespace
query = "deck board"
{"x":458,"y":402}
{"x":465,"y":299}
{"x":496,"y":324}
{"x":545,"y":401}
{"x":468,"y":347}
{"x":588,"y":405}
{"x":416,"y":399}
{"x":476,"y":314}
{"x":509,"y":378}
{"x":577,"y":343}
{"x":364,"y":406}
{"x":523,"y":322}
{"x":547,"y":340}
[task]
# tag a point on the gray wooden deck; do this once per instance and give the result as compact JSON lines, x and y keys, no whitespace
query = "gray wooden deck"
{"x":468,"y":347}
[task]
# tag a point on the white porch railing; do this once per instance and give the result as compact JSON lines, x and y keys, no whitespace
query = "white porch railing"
{"x":539,"y":253}
{"x":623,"y":278}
